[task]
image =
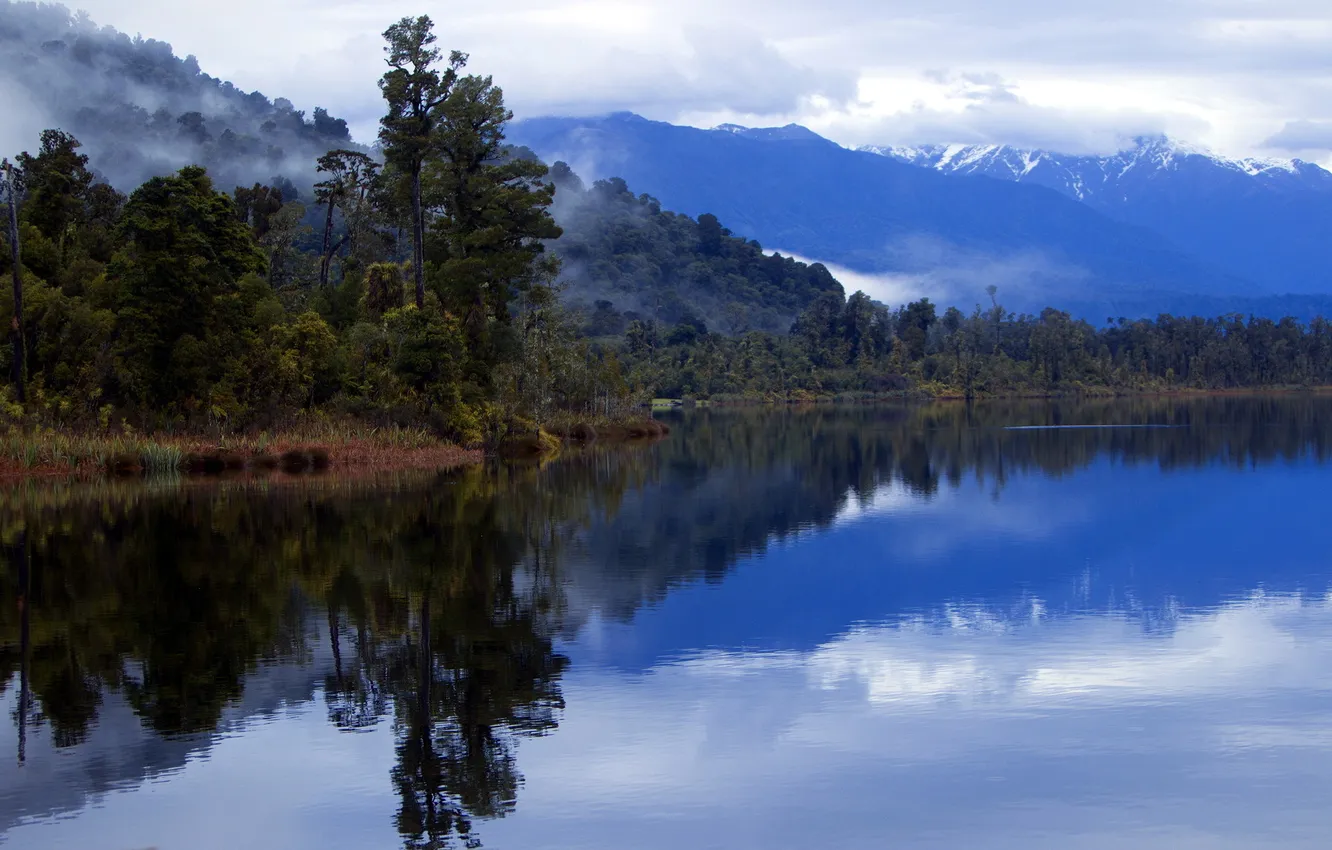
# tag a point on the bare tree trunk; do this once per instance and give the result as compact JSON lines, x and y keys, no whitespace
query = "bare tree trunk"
{"x":24,"y":581}
{"x":335,"y":643}
{"x":328,"y":260}
{"x":418,"y":239}
{"x":427,"y":667}
{"x":16,"y":326}
{"x":326,"y":254}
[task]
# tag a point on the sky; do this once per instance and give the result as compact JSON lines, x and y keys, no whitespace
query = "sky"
{"x":1243,"y":77}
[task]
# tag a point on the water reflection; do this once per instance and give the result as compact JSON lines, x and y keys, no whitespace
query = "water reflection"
{"x":994,"y":728}
{"x":819,"y":599}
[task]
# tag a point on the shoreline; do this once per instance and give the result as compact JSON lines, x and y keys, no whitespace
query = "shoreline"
{"x":917,"y":397}
{"x":186,"y":457}
{"x":46,"y":454}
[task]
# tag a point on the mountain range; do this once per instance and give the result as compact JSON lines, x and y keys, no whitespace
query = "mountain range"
{"x":921,"y":222}
{"x":1269,"y":220}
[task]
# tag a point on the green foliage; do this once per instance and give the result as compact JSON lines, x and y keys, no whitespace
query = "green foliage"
{"x":383,"y":288}
{"x":485,"y":246}
{"x":188,"y":308}
{"x":256,"y":205}
{"x":179,"y":310}
{"x":626,"y":259}
{"x":412,"y":90}
{"x":857,"y":347}
{"x":56,"y":183}
{"x":347,"y":188}
{"x":426,"y":350}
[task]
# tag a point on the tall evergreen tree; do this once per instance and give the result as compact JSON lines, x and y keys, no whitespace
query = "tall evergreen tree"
{"x":56,"y":183}
{"x":487,"y":244}
{"x":413,"y":89}
{"x":16,"y":270}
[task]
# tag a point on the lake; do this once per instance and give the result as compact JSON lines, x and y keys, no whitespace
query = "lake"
{"x":937,"y":626}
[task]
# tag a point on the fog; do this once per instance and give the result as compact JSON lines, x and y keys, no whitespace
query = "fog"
{"x":142,"y":111}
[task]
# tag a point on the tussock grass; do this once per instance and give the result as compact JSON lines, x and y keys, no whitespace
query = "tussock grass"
{"x":161,"y":459}
{"x":316,"y":448}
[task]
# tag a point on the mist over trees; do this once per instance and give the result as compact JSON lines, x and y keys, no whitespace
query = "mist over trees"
{"x":624,"y":258}
{"x":143,"y":112}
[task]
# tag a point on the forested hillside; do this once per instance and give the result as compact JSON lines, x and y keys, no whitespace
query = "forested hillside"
{"x":144,"y":112}
{"x":625,"y":258}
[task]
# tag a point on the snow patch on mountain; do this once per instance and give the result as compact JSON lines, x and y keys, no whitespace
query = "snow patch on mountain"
{"x":1084,"y":177}
{"x":790,"y":132}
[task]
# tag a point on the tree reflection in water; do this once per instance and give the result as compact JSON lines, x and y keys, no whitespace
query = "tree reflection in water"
{"x":444,"y":594}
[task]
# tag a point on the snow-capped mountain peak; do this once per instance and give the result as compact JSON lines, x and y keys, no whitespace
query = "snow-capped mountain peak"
{"x":1109,"y":178}
{"x":788,"y":133}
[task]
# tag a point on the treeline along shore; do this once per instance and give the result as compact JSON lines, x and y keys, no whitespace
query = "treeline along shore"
{"x":407,"y":309}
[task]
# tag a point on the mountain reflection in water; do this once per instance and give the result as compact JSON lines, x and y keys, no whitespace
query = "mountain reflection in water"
{"x":775,"y":628}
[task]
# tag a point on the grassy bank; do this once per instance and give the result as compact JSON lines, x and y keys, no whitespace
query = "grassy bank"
{"x":47,"y":452}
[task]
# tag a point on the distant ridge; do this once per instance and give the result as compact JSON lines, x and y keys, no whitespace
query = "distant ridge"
{"x":1266,"y":219}
{"x":794,"y":191}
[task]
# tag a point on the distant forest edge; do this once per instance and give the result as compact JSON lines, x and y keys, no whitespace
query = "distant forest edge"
{"x":422,"y":287}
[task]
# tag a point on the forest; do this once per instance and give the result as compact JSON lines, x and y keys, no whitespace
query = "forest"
{"x":856,"y":348}
{"x":424,"y":297}
{"x":623,"y":259}
{"x":449,"y":281}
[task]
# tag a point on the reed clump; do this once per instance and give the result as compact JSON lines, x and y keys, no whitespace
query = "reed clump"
{"x":539,"y":443}
{"x":589,"y":429}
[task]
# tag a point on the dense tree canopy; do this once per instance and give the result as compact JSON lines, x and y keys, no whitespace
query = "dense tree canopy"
{"x":856,"y":347}
{"x":624,"y":258}
{"x":188,"y":306}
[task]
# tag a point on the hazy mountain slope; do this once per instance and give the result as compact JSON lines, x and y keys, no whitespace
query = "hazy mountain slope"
{"x":624,"y":257}
{"x":803,"y":194}
{"x":142,"y":111}
{"x":1269,"y":220}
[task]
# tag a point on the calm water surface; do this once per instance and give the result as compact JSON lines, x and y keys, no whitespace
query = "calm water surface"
{"x":839,"y":628}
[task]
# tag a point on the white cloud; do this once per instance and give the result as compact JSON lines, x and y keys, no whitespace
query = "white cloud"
{"x":889,"y":289}
{"x":953,"y":274}
{"x":1226,"y":73}
{"x":1050,"y":730}
{"x":1302,"y":137}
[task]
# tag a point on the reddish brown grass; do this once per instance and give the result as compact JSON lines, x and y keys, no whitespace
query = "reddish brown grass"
{"x":34,"y":457}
